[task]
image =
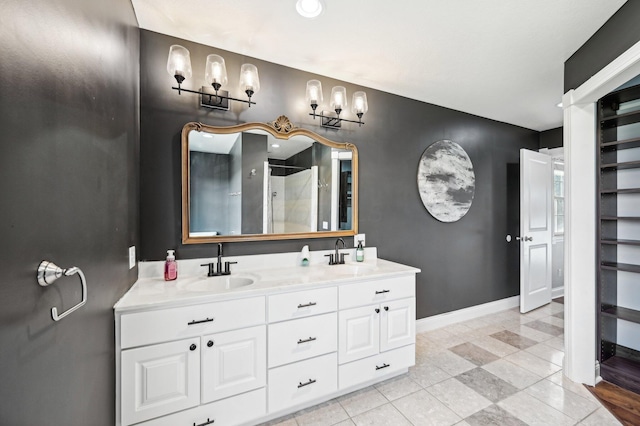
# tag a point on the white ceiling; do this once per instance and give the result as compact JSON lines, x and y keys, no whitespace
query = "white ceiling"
{"x":500,"y":59}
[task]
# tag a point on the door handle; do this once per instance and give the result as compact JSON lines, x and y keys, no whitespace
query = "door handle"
{"x":526,"y":238}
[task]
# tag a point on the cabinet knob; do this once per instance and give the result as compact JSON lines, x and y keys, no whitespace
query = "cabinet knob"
{"x":210,"y":343}
{"x":386,"y":308}
{"x":193,"y":347}
{"x":377,"y":311}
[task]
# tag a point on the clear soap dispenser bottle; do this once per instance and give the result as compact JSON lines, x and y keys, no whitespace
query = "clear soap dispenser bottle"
{"x":359,"y":252}
{"x":170,"y":266}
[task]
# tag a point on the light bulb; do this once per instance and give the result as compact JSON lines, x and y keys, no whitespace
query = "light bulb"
{"x":179,"y":63}
{"x":215,"y":71}
{"x":249,"y":80}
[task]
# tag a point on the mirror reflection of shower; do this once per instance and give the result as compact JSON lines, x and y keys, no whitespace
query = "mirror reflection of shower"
{"x":291,"y":202}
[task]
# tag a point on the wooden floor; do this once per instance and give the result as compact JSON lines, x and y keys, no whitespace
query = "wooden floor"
{"x":623,"y":404}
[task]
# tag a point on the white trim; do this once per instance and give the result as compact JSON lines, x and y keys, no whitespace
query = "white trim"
{"x":557,"y":292}
{"x":466,"y":314}
{"x":580,"y":133}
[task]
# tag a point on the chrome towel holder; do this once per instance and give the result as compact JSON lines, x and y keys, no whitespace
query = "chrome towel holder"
{"x":49,"y":272}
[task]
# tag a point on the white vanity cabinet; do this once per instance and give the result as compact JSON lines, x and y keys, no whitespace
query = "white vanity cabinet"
{"x":378,"y":338}
{"x":223,"y":356}
{"x":245,"y":357}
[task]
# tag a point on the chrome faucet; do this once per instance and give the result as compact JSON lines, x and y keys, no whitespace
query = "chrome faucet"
{"x":337,"y":258}
{"x":216,"y":269}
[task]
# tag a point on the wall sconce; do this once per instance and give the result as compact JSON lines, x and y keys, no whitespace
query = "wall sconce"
{"x":179,"y":66}
{"x":338,"y":103}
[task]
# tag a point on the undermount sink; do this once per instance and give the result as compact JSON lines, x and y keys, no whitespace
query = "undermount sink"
{"x":218,"y":283}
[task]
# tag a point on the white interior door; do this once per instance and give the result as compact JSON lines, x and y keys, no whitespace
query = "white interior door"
{"x":536,"y":185}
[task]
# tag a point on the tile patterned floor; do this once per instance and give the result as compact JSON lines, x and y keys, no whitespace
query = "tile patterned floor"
{"x":502,"y":369}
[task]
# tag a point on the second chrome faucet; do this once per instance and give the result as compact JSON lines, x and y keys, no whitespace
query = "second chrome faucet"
{"x":337,"y":258}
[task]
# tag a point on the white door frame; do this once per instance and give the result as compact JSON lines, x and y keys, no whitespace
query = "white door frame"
{"x":580,"y":135}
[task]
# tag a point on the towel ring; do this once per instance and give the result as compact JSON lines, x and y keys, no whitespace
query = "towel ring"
{"x":49,"y":272}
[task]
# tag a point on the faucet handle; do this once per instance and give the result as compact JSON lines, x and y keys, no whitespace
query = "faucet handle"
{"x":331,"y":260}
{"x":211,"y":272}
{"x":227,"y":271}
{"x":342,"y":255}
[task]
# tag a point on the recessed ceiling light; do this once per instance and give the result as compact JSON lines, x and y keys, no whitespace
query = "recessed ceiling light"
{"x":207,"y":135}
{"x":309,"y":8}
{"x":275,"y":145}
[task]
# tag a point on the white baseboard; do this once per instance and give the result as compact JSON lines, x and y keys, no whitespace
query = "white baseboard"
{"x":557,"y":292}
{"x":448,"y":318}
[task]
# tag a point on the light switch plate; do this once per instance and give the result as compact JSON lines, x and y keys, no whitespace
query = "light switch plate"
{"x":359,"y":237}
{"x":325,"y":224}
{"x":132,"y":257}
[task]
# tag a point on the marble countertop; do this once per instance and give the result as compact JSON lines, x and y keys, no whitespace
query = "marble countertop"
{"x":268,"y":274}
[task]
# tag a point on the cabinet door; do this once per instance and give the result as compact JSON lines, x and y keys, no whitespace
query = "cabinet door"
{"x":233,"y":362}
{"x":359,"y":333}
{"x":160,"y":379}
{"x":397,"y":323}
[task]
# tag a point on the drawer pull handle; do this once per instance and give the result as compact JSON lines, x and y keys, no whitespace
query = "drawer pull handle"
{"x":306,"y":305}
{"x":200,"y":321}
{"x":310,"y":339}
{"x":310,"y":382}
{"x":193,"y":347}
{"x":382,"y":291}
{"x":208,"y":422}
{"x":385,"y":365}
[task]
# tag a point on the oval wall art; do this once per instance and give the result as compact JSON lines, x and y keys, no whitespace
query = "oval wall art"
{"x":446,"y":181}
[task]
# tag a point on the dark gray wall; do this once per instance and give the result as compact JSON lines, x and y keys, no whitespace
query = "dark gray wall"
{"x":209,"y":192}
{"x":69,"y":184}
{"x":551,"y":138}
{"x":463,"y":263}
{"x":617,"y":35}
{"x":254,"y":154}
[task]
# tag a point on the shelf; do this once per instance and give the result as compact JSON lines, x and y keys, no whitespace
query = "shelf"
{"x":620,"y":119}
{"x":623,"y":144}
{"x":620,"y":242}
{"x":621,"y":96}
{"x":613,"y":266}
{"x":626,"y":314}
{"x":632,"y":218}
{"x":621,"y":166}
{"x":621,"y":191}
{"x":622,"y":371}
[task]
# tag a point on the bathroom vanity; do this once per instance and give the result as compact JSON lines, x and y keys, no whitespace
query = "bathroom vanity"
{"x":267,"y":340}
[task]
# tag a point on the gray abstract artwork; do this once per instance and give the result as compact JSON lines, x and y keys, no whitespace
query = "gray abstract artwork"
{"x":446,"y":181}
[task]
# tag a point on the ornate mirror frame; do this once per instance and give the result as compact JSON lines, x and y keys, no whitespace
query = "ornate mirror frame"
{"x":281,"y":128}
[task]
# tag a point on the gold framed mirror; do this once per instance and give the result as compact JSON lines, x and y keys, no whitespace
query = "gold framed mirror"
{"x":266,"y":181}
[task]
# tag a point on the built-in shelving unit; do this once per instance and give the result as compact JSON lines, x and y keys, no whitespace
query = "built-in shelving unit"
{"x":619,"y":238}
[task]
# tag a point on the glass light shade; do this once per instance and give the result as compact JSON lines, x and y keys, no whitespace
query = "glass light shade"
{"x":309,"y":8}
{"x":215,"y":71}
{"x":338,"y":98}
{"x":249,"y":80}
{"x":179,"y":63}
{"x":359,"y":104}
{"x":314,"y":92}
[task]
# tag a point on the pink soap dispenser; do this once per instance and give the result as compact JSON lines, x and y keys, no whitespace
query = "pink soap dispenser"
{"x":170,"y":266}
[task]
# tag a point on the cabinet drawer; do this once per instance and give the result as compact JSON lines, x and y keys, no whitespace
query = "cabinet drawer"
{"x":303,"y":381}
{"x":144,"y":328}
{"x":303,"y":338}
{"x":236,"y":410}
{"x":376,"y":366}
{"x":369,"y":292}
{"x":302,"y":304}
